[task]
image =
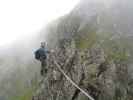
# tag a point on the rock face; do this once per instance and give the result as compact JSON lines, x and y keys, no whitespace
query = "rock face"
{"x":98,"y":67}
{"x":89,"y":69}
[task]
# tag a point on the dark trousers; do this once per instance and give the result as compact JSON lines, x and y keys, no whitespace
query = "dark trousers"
{"x":43,"y":66}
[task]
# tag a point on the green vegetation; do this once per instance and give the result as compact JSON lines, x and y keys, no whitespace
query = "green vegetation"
{"x":26,"y":93}
{"x":86,"y":42}
{"x":115,"y":49}
{"x":25,"y":96}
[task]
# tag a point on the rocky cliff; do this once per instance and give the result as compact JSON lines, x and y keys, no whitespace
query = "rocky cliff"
{"x":90,"y":69}
{"x":98,"y":62}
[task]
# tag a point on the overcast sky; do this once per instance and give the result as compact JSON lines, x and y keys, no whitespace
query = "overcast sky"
{"x":19,"y":18}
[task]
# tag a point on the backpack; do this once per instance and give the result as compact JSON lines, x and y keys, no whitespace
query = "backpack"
{"x":37,"y":55}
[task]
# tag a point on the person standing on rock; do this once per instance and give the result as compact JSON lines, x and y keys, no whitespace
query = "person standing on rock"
{"x":41,"y":55}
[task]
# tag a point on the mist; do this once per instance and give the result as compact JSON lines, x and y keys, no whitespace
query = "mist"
{"x":17,"y":59}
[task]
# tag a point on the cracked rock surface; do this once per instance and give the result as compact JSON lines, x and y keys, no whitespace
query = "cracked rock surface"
{"x":88,"y":68}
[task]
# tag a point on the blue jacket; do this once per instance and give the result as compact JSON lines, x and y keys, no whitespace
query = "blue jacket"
{"x":41,"y":53}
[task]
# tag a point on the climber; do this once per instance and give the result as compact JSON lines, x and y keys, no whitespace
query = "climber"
{"x":41,"y":55}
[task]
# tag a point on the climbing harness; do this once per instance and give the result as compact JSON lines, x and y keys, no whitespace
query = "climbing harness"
{"x":73,"y":83}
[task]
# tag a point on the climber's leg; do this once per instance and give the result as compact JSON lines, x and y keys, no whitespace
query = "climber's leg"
{"x":43,"y":67}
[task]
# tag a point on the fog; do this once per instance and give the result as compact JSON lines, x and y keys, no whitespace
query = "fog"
{"x":17,"y":59}
{"x":21,"y":17}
